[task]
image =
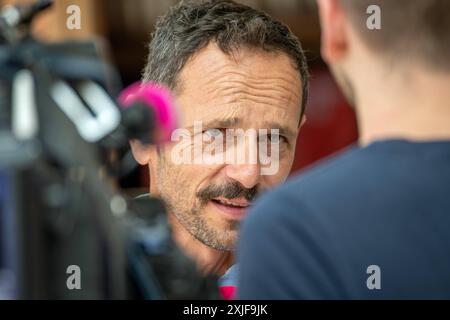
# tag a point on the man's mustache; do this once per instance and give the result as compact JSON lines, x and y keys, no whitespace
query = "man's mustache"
{"x":230,"y":191}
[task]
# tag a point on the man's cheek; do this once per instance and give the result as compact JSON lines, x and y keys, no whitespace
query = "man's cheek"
{"x":277,"y":174}
{"x":272,"y":169}
{"x":276,"y":161}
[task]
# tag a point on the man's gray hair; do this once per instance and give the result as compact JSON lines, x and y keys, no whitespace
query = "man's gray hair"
{"x":191,"y":25}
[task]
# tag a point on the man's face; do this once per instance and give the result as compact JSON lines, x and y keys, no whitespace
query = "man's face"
{"x":252,"y":90}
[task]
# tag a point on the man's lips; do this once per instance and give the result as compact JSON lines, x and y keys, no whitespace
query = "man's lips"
{"x":234,"y":209}
{"x":237,"y":202}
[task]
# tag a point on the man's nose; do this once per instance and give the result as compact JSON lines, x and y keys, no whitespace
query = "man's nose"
{"x":246,"y":174}
{"x":245,"y":168}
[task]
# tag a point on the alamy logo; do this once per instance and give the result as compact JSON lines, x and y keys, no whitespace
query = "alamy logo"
{"x":374,"y":280}
{"x":373,"y":22}
{"x":74,"y":19}
{"x":74,"y":280}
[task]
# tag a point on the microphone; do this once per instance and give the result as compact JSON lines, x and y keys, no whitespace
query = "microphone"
{"x":144,"y":111}
{"x":149,"y":112}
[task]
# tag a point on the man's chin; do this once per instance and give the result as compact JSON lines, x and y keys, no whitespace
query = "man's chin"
{"x":214,"y":232}
{"x":224,"y":240}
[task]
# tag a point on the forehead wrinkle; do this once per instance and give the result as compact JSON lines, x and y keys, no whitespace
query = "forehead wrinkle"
{"x":267,"y":83}
{"x":230,"y":76}
{"x":218,"y":113}
{"x":270,"y":90}
{"x":274,"y":94}
{"x":216,"y":72}
{"x":242,"y":100}
{"x":210,"y":78}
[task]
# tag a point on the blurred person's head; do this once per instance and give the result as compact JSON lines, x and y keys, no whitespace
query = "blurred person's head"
{"x":230,"y":67}
{"x":392,"y":61}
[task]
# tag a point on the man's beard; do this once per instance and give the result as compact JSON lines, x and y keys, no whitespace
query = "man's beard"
{"x":345,"y":84}
{"x":191,"y":218}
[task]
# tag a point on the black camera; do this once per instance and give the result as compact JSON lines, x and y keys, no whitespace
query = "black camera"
{"x":61,"y":218}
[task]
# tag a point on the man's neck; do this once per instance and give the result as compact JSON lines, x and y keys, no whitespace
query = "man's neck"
{"x":208,"y":260}
{"x":413,"y":106}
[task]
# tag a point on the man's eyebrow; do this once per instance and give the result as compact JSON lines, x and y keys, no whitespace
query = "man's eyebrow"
{"x":222,"y":123}
{"x":218,"y":123}
{"x":283,"y":130}
{"x":233,"y":122}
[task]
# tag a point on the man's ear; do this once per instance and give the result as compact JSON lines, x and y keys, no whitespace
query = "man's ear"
{"x":334,"y":42}
{"x":303,"y":121}
{"x":141,"y":152}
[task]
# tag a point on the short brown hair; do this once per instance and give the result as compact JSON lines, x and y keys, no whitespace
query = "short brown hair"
{"x":191,"y":25}
{"x":418,"y":28}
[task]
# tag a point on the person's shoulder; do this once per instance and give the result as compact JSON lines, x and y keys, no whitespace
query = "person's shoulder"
{"x":321,"y":186}
{"x":337,"y":169}
{"x":289,"y":229}
{"x":380,"y":166}
{"x":341,"y":166}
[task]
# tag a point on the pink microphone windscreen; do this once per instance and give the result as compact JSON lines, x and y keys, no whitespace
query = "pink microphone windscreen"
{"x":158,"y":98}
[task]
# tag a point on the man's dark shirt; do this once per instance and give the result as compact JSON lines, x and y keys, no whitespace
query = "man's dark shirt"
{"x":385,"y":205}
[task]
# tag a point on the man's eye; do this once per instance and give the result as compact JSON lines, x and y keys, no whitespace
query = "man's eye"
{"x":276,"y":138}
{"x":213,"y":133}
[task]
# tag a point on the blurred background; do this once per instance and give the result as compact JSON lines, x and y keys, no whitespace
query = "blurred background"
{"x":123,"y":27}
